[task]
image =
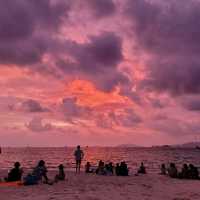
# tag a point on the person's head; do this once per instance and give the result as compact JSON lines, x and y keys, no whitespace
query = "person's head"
{"x":191,"y":166}
{"x":142,"y":164}
{"x":78,"y":147}
{"x":17,"y":164}
{"x":100,"y":163}
{"x":185,"y":166}
{"x":61,"y":167}
{"x":41,"y":163}
{"x":172,"y":165}
{"x":88,"y":163}
{"x":163,"y":166}
{"x":110,"y":163}
{"x":117,"y":164}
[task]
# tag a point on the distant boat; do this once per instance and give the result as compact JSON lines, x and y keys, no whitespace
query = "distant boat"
{"x":197,"y":147}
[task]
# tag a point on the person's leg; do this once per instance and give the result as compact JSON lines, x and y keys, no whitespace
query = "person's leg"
{"x":79,"y":166}
{"x":76,"y":166}
{"x":46,"y":178}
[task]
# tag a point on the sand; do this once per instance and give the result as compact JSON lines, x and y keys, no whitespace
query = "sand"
{"x":93,"y":187}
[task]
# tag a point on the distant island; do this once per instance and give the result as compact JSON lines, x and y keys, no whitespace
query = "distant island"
{"x":184,"y":145}
{"x":127,"y":145}
{"x":189,"y":145}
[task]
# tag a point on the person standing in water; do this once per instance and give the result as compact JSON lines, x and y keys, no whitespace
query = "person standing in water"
{"x":78,"y":157}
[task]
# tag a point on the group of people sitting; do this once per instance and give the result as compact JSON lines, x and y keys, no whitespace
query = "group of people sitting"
{"x":187,"y":171}
{"x":38,"y":174}
{"x":108,"y":169}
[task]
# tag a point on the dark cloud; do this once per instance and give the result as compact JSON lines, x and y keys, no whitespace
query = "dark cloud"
{"x":191,"y":103}
{"x":102,"y":8}
{"x":102,"y":52}
{"x":33,"y":106}
{"x":176,"y":127}
{"x":36,"y":125}
{"x":29,"y":31}
{"x":96,"y":60}
{"x":71,"y":110}
{"x":169,"y":33}
{"x":26,"y":27}
{"x":127,"y":118}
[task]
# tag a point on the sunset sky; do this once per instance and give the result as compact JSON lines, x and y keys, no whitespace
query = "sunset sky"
{"x":99,"y":72}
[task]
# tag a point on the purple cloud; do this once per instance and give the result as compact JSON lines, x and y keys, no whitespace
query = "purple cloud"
{"x":169,"y":33}
{"x":96,"y":60}
{"x":31,"y":105}
{"x":26,"y":27}
{"x":36,"y":125}
{"x":102,"y":8}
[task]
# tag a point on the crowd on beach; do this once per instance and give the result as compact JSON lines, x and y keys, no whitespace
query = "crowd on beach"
{"x":108,"y":169}
{"x":39,"y":173}
{"x":187,"y":172}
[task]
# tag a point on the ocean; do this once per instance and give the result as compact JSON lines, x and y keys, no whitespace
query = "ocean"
{"x":152,"y":157}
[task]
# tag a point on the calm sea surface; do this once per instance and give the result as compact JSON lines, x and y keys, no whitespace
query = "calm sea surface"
{"x":152,"y":157}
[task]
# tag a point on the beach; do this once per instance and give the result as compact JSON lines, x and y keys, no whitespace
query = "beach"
{"x":94,"y":187}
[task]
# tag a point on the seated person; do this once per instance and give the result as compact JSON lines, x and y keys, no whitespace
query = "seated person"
{"x":123,"y":169}
{"x":117,"y":169}
{"x":172,"y":171}
{"x":193,"y":172}
{"x":101,"y":168}
{"x":163,"y":169}
{"x":88,"y":168}
{"x":39,"y":172}
{"x":61,"y":174}
{"x":110,"y":167}
{"x":108,"y":170}
{"x":142,"y":169}
{"x":15,"y":174}
{"x":184,"y":172}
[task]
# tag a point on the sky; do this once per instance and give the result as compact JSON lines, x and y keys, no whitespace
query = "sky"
{"x":99,"y":72}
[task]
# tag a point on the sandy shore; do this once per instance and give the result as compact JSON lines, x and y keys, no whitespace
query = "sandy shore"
{"x":93,"y":187}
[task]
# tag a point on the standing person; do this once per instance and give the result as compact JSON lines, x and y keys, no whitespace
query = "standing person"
{"x":78,"y":157}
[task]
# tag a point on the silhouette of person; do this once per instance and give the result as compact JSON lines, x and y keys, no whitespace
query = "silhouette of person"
{"x":39,"y":172}
{"x":78,"y":157}
{"x":110,"y":167}
{"x":123,"y":169}
{"x":184,"y":172}
{"x":15,"y":174}
{"x":101,"y":168}
{"x":172,"y":171}
{"x":108,"y":170}
{"x":193,"y":172}
{"x":117,"y":169}
{"x":163,"y":169}
{"x":87,"y":168}
{"x":61,"y":174}
{"x":142,"y":169}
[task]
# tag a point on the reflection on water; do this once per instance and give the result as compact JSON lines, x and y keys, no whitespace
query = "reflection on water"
{"x":152,"y":157}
